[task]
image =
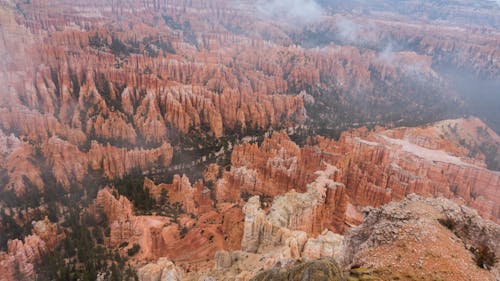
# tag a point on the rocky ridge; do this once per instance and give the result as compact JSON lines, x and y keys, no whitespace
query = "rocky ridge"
{"x":22,"y":255}
{"x":431,"y":235}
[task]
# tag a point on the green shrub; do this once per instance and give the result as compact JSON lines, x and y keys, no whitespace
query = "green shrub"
{"x":134,"y":250}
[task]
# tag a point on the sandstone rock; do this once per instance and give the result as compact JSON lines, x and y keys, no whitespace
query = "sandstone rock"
{"x":211,"y":173}
{"x":180,"y":191}
{"x":115,"y":209}
{"x":16,"y":161}
{"x":117,"y":162}
{"x":292,"y":217}
{"x":277,"y":166}
{"x":324,"y":269}
{"x":328,"y":244}
{"x":254,"y":220}
{"x":159,"y":236}
{"x":388,"y":165}
{"x":47,"y":232}
{"x":423,"y":233}
{"x":21,"y":257}
{"x":223,"y":259}
{"x":162,"y":270}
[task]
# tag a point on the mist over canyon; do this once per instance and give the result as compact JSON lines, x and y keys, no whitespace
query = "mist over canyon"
{"x":249,"y":140}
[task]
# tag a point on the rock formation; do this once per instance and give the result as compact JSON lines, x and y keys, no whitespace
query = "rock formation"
{"x":181,"y":191}
{"x":93,"y":91}
{"x":16,"y":161}
{"x":292,"y":217}
{"x":286,"y":233}
{"x":146,"y":81}
{"x":300,"y":223}
{"x":18,"y":263}
{"x":321,"y":270}
{"x":375,"y":167}
{"x":426,"y":238}
{"x":276,"y":166}
{"x":262,"y":232}
{"x":162,"y":270}
{"x":160,"y":236}
{"x":387,"y":165}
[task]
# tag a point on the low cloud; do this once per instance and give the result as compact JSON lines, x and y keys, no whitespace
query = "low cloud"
{"x":407,"y":61}
{"x":387,"y":55}
{"x":294,"y":11}
{"x":352,"y":32}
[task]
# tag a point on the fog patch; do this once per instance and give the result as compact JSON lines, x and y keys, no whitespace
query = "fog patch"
{"x":293,"y":11}
{"x":387,"y":55}
{"x":352,"y":32}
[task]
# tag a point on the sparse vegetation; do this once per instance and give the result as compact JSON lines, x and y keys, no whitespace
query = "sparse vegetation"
{"x":448,"y":223}
{"x":484,"y":256}
{"x":132,"y":187}
{"x":183,"y":231}
{"x":134,"y":250}
{"x":82,"y":255}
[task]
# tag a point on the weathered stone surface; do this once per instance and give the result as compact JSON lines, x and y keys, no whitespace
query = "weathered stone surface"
{"x":432,"y":235}
{"x":325,"y":245}
{"x":382,"y":166}
{"x":160,"y":236}
{"x":321,"y":270}
{"x":21,"y":257}
{"x":162,"y":270}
